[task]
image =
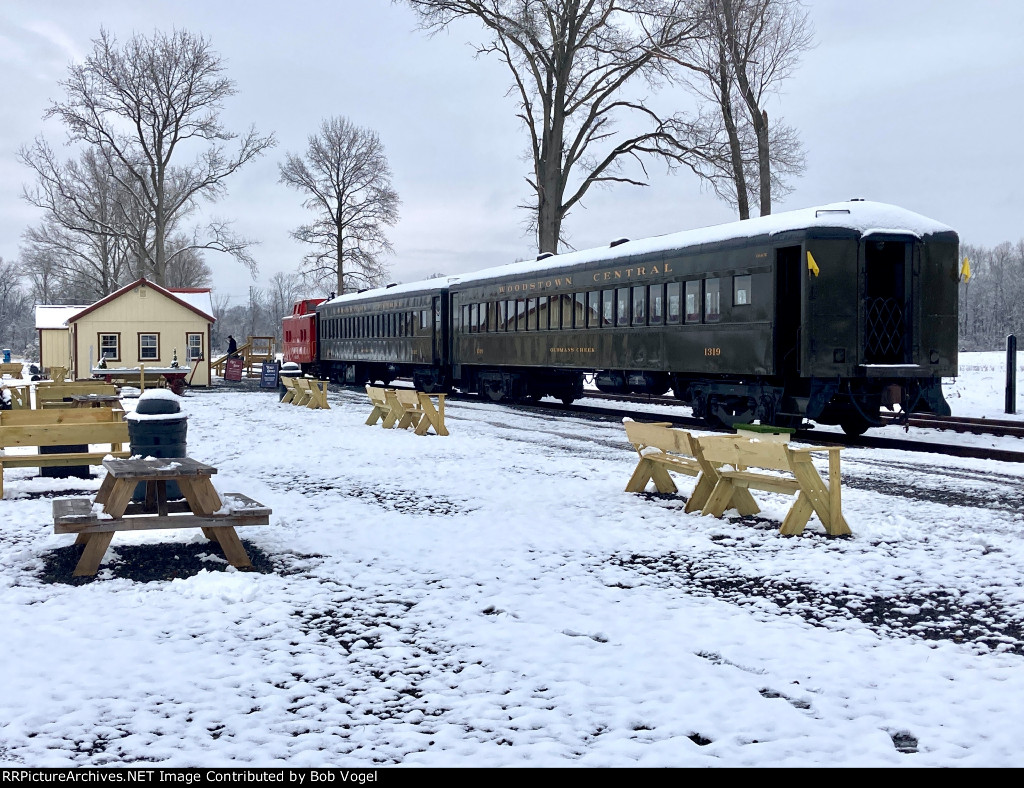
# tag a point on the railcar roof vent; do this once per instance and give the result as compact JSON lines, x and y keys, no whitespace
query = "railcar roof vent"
{"x":362,"y":290}
{"x":619,"y":242}
{"x":391,"y":284}
{"x":829,"y":211}
{"x":856,"y":199}
{"x":545,"y":255}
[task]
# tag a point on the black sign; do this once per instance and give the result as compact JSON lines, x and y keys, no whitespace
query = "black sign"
{"x":268,"y":376}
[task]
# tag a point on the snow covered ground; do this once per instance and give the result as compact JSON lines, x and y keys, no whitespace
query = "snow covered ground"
{"x":494,"y":598}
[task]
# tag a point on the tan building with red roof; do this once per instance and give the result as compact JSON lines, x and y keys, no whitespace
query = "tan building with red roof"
{"x":142,"y":323}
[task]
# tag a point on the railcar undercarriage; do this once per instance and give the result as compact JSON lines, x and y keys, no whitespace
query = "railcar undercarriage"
{"x":855,"y":405}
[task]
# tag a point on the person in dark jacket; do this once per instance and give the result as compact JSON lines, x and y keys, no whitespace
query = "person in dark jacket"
{"x":232,"y":346}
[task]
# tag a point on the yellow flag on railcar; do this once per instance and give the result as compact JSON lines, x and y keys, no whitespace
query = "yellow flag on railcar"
{"x":811,"y":265}
{"x":965,"y":270}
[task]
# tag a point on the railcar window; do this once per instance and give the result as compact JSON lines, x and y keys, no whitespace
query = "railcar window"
{"x":639,"y":305}
{"x":520,"y":314}
{"x":532,"y":315}
{"x":579,"y":310}
{"x":673,"y":302}
{"x":622,"y":306}
{"x":712,"y":300}
{"x":594,"y":309}
{"x":741,"y":292}
{"x":554,"y":310}
{"x":608,"y":307}
{"x":656,"y":305}
{"x":693,"y":301}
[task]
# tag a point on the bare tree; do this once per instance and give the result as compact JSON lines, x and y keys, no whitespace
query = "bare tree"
{"x":762,"y":41}
{"x":16,"y":324}
{"x":284,"y":290}
{"x":185,"y":264}
{"x":84,"y":229}
{"x":347,"y":183}
{"x":573,"y":63}
{"x":142,"y":105}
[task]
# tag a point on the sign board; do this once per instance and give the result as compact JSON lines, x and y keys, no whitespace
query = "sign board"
{"x":233,"y":369}
{"x":268,"y":376}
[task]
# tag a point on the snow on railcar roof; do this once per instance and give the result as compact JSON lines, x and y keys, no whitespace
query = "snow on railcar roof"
{"x":862,"y":216}
{"x":437,"y":283}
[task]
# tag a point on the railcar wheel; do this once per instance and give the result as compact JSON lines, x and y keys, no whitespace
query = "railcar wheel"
{"x":493,"y":390}
{"x":855,"y":426}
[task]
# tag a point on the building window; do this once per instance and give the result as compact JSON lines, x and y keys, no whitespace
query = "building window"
{"x":110,"y":347}
{"x":195,"y":347}
{"x":149,"y":347}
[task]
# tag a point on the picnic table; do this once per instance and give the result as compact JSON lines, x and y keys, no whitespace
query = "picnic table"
{"x":175,"y":376}
{"x":93,"y":400}
{"x":216,"y":514}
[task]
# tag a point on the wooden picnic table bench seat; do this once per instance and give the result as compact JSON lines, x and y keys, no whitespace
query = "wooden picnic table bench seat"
{"x":305,"y":392}
{"x":405,"y":408}
{"x":746,"y":464}
{"x":663,"y":449}
{"x":727,"y":467}
{"x":96,"y":521}
{"x":50,"y":428}
{"x":379,"y":401}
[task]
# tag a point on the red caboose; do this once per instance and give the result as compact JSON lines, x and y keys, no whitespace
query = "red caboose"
{"x":300,"y":333}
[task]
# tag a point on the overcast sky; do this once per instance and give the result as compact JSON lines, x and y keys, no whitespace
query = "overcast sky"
{"x":913,"y":102}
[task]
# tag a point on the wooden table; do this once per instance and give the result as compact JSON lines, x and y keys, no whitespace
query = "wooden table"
{"x":203,"y":508}
{"x":175,"y":376}
{"x":90,"y":400}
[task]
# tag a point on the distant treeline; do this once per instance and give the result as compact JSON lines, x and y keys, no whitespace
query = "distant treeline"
{"x":992,"y":300}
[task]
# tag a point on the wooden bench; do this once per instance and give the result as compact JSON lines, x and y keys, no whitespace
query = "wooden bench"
{"x":305,"y":392}
{"x":312,"y":393}
{"x":291,"y":390}
{"x":774,"y":466}
{"x":379,"y":401}
{"x":12,"y":370}
{"x":57,"y":395}
{"x":62,"y":427}
{"x":95,"y":530}
{"x":405,"y":408}
{"x":663,"y":449}
{"x":21,"y":396}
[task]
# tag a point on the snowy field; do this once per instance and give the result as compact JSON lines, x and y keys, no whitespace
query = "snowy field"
{"x":493,"y":598}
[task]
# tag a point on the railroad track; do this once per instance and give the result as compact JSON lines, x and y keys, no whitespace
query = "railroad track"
{"x":1004,"y":428}
{"x":993,"y":427}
